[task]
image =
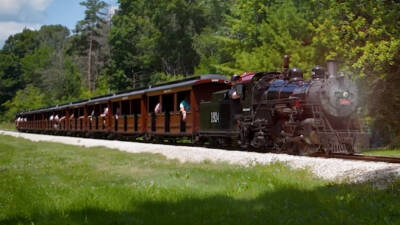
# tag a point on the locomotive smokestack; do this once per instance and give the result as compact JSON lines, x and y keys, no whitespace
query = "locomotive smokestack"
{"x":332,"y":67}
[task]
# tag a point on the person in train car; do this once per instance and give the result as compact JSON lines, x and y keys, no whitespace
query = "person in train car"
{"x":117,"y":113}
{"x":158,"y":108}
{"x":234,"y":96}
{"x":91,"y":115}
{"x":104,"y":115}
{"x":56,"y":119}
{"x":233,"y":93}
{"x":184,"y":107}
{"x":51,"y":117}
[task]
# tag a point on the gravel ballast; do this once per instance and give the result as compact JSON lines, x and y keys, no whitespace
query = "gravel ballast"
{"x":337,"y":170}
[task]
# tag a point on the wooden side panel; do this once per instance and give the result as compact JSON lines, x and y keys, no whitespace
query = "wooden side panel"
{"x":109,"y":118}
{"x":145,"y":119}
{"x":148,"y":123}
{"x":62,"y":124}
{"x":190,"y":122}
{"x":130,"y":124}
{"x":140,"y":122}
{"x":160,"y":123}
{"x":175,"y":123}
{"x":121,"y":125}
{"x":81,"y":124}
{"x":193,"y":117}
{"x":103,"y":124}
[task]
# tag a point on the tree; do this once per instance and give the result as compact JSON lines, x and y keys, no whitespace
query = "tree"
{"x":11,"y":76}
{"x":254,"y":37}
{"x":153,"y":36}
{"x":28,"y":98}
{"x":88,"y":33}
{"x":363,"y":36}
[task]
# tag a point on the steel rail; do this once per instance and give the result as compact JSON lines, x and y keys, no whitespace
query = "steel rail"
{"x":360,"y":157}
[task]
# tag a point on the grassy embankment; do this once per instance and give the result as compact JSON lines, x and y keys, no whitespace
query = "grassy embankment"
{"x":48,"y":183}
{"x":383,"y":152}
{"x":7,"y":126}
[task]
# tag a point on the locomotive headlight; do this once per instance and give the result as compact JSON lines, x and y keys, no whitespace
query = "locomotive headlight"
{"x":345,"y":94}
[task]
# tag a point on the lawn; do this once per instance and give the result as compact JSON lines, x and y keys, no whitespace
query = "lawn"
{"x":48,"y":183}
{"x":7,"y":126}
{"x":383,"y":152}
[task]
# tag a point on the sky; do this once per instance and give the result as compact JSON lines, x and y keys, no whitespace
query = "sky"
{"x":15,"y":15}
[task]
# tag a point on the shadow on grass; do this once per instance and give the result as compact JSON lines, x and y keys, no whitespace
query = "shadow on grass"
{"x":335,"y":204}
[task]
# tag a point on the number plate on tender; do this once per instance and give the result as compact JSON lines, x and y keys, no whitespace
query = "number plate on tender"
{"x":214,"y":117}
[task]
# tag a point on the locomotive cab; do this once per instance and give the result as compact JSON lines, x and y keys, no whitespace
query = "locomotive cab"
{"x":215,"y":115}
{"x":220,"y":116}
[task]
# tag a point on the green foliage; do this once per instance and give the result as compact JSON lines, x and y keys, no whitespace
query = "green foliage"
{"x":88,"y":42}
{"x":159,"y":78}
{"x":35,"y":60}
{"x":150,"y":41}
{"x":28,"y":98}
{"x":7,"y":126}
{"x":257,"y":41}
{"x":383,"y":152}
{"x":150,"y":37}
{"x":365,"y":38}
{"x":61,"y":184}
{"x":33,"y":65}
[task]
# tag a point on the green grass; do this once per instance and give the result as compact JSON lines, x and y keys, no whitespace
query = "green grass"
{"x":383,"y":152}
{"x":7,"y":126}
{"x":48,"y":183}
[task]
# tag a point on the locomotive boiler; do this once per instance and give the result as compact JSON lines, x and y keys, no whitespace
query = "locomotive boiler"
{"x":281,"y":112}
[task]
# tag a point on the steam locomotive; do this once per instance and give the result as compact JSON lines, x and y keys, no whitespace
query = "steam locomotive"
{"x":272,"y":111}
{"x":281,"y":112}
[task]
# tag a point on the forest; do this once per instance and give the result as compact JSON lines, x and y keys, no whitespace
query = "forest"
{"x":151,"y":41}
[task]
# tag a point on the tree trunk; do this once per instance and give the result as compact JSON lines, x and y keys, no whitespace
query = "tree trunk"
{"x":90,"y":62}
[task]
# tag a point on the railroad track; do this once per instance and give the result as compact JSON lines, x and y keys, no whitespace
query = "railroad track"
{"x":360,"y":157}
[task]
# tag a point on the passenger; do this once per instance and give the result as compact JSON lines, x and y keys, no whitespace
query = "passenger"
{"x":104,"y":114}
{"x":117,"y":113}
{"x":81,"y":117}
{"x":91,"y":115}
{"x":51,"y":117}
{"x":234,"y":96}
{"x":184,"y":107}
{"x":233,"y":93}
{"x":158,"y":108}
{"x":56,"y":120}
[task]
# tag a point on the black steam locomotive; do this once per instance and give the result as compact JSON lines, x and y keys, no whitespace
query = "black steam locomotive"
{"x":281,"y":112}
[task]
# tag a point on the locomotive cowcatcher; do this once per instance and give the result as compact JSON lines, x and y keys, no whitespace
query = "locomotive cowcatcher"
{"x":281,"y":112}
